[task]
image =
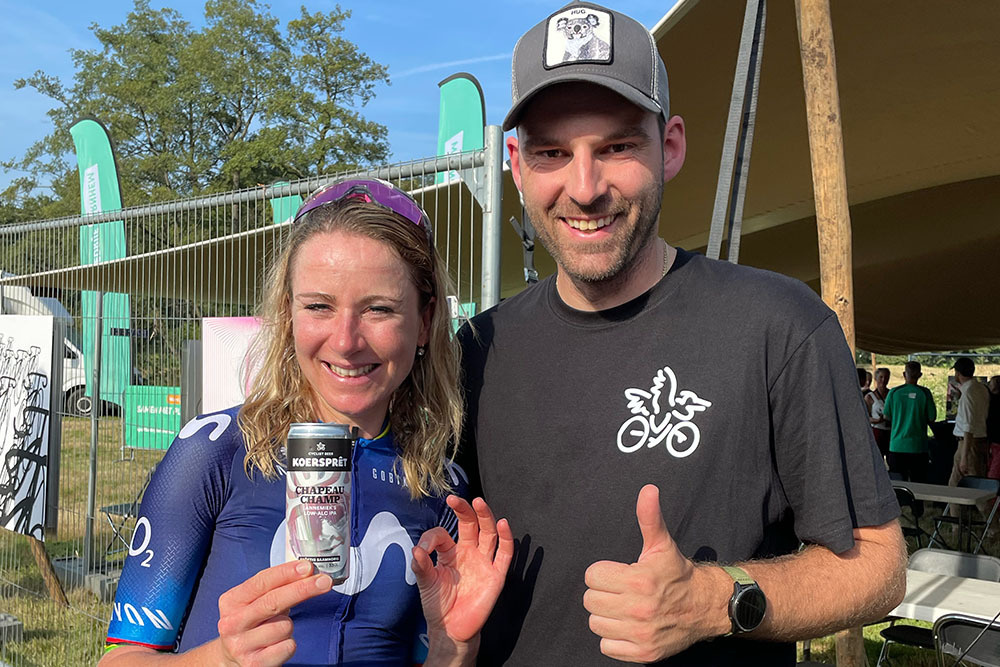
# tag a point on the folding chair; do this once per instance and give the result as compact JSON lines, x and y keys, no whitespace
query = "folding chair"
{"x":971,"y":482}
{"x":118,"y":514}
{"x":938,"y":561}
{"x":906,"y":499}
{"x":965,"y":640}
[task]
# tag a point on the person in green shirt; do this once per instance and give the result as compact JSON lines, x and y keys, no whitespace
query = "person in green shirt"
{"x":910,"y":409}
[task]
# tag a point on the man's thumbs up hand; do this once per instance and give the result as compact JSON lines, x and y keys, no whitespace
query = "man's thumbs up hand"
{"x":655,"y":607}
{"x":655,"y":538}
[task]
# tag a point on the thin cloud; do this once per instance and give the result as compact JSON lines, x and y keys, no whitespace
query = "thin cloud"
{"x":452,"y":63}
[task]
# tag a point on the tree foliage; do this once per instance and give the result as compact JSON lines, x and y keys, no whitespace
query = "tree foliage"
{"x":239,"y":101}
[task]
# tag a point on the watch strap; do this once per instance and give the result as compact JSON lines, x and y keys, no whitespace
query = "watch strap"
{"x":739,"y":575}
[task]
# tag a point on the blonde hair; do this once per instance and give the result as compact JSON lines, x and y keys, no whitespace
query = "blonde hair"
{"x":425,"y":411}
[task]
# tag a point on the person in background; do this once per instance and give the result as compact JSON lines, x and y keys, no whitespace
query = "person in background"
{"x":971,"y":456}
{"x":715,"y":401}
{"x":970,"y":421}
{"x":875,"y":400}
{"x":910,"y":409}
{"x":355,"y":332}
{"x":866,"y":388}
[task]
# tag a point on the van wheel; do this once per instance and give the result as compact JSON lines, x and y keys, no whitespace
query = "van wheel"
{"x":78,"y":404}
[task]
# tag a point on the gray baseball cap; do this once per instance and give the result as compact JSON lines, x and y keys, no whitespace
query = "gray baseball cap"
{"x":587,"y":42}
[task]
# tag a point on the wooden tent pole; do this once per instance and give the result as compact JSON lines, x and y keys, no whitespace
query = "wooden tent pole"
{"x":49,"y":576}
{"x":833,"y":220}
{"x":826,"y":151}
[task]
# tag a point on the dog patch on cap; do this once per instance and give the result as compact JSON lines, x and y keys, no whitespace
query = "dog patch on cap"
{"x":578,"y":35}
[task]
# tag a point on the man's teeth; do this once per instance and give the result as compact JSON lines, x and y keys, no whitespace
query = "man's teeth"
{"x":352,"y":372}
{"x":589,"y":225}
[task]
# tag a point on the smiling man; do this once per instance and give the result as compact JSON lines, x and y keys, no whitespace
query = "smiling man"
{"x":664,"y":431}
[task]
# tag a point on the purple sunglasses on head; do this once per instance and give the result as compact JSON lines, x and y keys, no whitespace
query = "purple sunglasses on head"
{"x":371,"y":190}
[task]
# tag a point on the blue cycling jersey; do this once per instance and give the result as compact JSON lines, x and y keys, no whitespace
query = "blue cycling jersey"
{"x":205,"y":527}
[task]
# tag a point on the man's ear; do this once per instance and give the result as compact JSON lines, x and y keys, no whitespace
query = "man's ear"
{"x":515,"y":160}
{"x":674,"y":147}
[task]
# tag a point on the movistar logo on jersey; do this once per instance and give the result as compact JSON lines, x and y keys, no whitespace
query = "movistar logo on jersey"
{"x":383,"y":533}
{"x":663,"y":414}
{"x":219,"y":423}
{"x":125,"y":612}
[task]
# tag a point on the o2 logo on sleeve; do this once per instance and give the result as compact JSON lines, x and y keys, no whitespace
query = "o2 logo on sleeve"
{"x":147,"y":533}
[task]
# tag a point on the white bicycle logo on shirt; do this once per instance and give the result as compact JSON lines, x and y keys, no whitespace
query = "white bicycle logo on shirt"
{"x":672,"y":425}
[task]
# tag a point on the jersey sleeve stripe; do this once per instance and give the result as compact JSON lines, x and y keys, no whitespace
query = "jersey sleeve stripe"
{"x":113,"y":642}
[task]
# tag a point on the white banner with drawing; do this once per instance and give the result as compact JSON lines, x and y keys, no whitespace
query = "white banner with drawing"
{"x":25,"y":411}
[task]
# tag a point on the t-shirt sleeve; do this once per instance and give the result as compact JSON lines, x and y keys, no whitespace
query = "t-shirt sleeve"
{"x":172,"y":535}
{"x":931,"y":407}
{"x":829,"y":467}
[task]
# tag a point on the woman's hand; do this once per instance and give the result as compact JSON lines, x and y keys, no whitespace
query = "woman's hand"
{"x":459,"y":592}
{"x":254,"y":626}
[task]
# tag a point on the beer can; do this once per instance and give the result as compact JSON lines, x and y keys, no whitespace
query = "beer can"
{"x":318,"y":496}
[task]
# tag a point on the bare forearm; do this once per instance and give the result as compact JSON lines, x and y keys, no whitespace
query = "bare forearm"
{"x":129,"y":655}
{"x":449,"y":653}
{"x":816,"y":592}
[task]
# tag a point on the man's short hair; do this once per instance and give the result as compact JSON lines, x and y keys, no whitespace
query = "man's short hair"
{"x":965,"y":366}
{"x":883,"y":370}
{"x":912,"y":369}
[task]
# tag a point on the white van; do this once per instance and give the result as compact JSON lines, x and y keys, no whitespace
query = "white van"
{"x":20,"y":301}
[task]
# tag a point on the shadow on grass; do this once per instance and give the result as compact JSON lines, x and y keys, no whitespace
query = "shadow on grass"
{"x":32,"y":635}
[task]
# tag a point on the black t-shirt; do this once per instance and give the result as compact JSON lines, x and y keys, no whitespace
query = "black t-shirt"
{"x":732,"y":389}
{"x":993,"y":419}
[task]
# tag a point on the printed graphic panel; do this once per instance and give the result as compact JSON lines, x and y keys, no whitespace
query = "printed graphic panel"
{"x":224,"y":377}
{"x":25,"y":409}
{"x":152,"y":416}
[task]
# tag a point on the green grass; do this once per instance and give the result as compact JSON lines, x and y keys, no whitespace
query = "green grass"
{"x":825,"y":649}
{"x":55,"y":635}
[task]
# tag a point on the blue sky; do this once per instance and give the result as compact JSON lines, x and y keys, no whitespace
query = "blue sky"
{"x":420,"y":42}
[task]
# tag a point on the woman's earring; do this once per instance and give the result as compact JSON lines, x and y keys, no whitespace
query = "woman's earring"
{"x":421,"y":351}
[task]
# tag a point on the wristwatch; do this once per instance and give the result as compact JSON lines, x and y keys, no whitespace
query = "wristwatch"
{"x":748,"y":604}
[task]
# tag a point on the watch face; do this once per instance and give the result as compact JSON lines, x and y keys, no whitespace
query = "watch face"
{"x":749,"y":608}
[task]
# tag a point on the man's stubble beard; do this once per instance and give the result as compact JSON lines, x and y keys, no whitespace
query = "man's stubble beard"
{"x":629,"y":244}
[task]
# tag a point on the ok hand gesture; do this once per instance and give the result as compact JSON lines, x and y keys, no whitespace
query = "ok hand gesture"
{"x":459,"y":592}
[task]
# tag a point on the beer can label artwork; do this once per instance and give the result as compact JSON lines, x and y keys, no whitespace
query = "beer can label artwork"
{"x":318,"y":496}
